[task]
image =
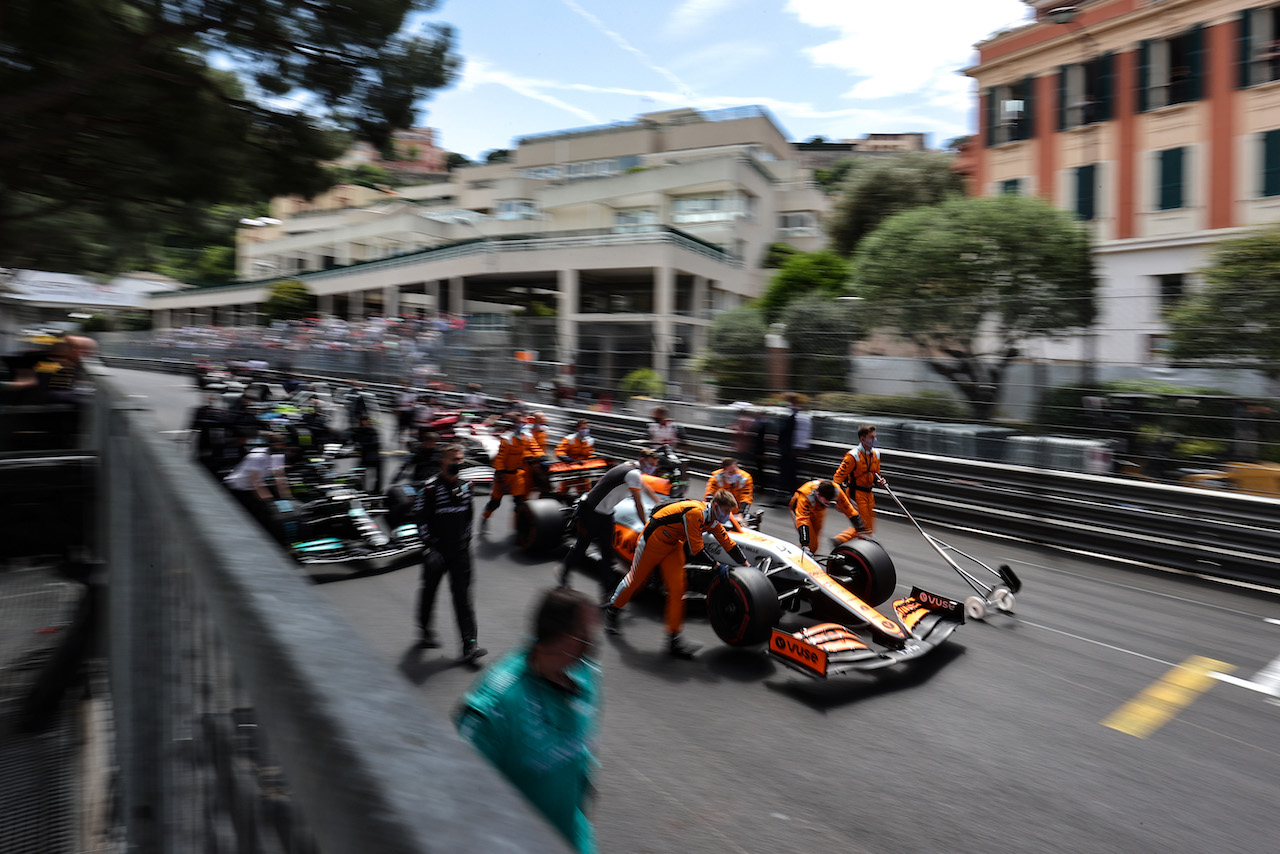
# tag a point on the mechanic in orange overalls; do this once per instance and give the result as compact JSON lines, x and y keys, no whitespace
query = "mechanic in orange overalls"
{"x":535,"y":460}
{"x":672,"y":529}
{"x":578,"y":445}
{"x":736,"y":481}
{"x":858,"y":472}
{"x":809,"y":506}
{"x":510,"y":476}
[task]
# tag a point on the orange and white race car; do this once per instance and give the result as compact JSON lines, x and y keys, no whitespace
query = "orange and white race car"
{"x":837,"y":595}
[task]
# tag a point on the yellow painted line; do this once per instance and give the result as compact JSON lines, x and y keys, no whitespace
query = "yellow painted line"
{"x":1161,"y":701}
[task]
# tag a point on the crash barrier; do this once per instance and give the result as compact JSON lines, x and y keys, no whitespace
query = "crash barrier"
{"x":248,"y":716}
{"x":48,"y":500}
{"x":1042,"y":494}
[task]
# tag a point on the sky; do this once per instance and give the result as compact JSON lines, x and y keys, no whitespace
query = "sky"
{"x":833,"y":68}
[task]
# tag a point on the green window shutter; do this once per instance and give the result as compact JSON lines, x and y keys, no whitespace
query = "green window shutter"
{"x":1271,"y":163}
{"x":1171,"y":179}
{"x":989,"y":119}
{"x":1103,"y":110}
{"x":1244,"y":56}
{"x":1195,"y":58}
{"x":1085,"y":183}
{"x":1062,"y":97}
{"x":1028,"y":108}
{"x":1144,"y":74}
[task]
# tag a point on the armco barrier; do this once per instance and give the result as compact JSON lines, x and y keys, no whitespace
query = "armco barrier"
{"x":1214,"y":533}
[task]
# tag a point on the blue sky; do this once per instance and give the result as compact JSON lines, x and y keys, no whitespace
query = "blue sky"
{"x":836,"y":68}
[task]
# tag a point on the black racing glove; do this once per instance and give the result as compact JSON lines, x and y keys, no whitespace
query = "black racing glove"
{"x":804,"y":536}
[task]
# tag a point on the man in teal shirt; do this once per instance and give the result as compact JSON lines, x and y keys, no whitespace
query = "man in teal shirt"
{"x":534,"y":714}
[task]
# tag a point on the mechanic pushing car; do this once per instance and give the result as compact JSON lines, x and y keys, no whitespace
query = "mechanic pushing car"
{"x":510,"y":477}
{"x":671,"y":530}
{"x":576,"y":446}
{"x":594,"y":521}
{"x":809,"y":507}
{"x":729,"y":476}
{"x":858,"y":472}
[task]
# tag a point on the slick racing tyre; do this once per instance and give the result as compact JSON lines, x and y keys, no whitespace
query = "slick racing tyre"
{"x":540,"y":525}
{"x":399,"y":504}
{"x":865,"y":569}
{"x":743,"y":607}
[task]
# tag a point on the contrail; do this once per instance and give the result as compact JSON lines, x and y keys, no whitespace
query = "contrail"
{"x":630,"y":48}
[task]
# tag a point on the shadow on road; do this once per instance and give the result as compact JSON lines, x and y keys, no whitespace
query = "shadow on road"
{"x":419,"y":665}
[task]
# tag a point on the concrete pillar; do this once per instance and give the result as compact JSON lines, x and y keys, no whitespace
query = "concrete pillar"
{"x":391,"y":301}
{"x":567,"y":315}
{"x":163,"y":319}
{"x":355,"y":305}
{"x":432,"y":289}
{"x":324,"y":304}
{"x":700,"y":312}
{"x":664,"y":309}
{"x":457,"y":295}
{"x":778,"y":359}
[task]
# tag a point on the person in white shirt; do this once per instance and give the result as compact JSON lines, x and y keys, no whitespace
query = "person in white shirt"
{"x":664,"y":431}
{"x":252,"y":479}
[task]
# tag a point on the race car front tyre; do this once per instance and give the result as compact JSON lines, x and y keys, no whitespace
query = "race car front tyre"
{"x":743,"y":606}
{"x":540,"y":525}
{"x":865,"y":569}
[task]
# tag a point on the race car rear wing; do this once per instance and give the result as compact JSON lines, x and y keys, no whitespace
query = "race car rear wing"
{"x":828,"y":649}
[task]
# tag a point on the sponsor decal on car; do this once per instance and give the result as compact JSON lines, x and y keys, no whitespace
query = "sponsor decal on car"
{"x":799,"y":652}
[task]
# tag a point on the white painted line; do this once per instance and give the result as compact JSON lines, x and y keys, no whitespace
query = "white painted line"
{"x":1270,"y":676}
{"x":1272,"y":620}
{"x":1099,"y":643}
{"x":1245,"y":683}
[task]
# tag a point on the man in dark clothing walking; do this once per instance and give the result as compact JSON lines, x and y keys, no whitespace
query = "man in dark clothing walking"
{"x":369,"y":451}
{"x":444,"y":514}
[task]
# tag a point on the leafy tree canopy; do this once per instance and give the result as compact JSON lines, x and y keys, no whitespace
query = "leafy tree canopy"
{"x":777,"y":254}
{"x":290,"y":299}
{"x":736,"y":342}
{"x":969,"y":280}
{"x":881,"y":187}
{"x":453,"y":160}
{"x":498,"y":155}
{"x":801,"y":274}
{"x":819,"y":332}
{"x":1237,"y":317}
{"x":117,"y":119}
{"x":831,"y":178}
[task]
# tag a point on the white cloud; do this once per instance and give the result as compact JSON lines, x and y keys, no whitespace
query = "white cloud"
{"x":723,"y":61}
{"x":892,"y":50}
{"x":478,"y":73}
{"x":689,"y":17}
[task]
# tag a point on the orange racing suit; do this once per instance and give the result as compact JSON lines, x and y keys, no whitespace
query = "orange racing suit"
{"x":856,"y":475}
{"x":739,"y":484}
{"x":808,"y":511}
{"x":510,"y":477}
{"x":670,"y":529}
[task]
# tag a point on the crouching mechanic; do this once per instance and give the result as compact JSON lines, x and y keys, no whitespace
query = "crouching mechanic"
{"x":443,"y":511}
{"x":736,"y":481}
{"x":809,"y":507}
{"x":672,"y":529}
{"x":595,"y":516}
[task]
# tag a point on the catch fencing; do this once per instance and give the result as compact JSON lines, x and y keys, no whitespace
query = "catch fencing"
{"x":248,"y":717}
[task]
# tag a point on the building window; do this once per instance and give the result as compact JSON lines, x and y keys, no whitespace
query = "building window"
{"x":1086,"y":183}
{"x":796,"y":224}
{"x":1012,"y":187}
{"x":1271,"y":163}
{"x":1172,"y":289}
{"x":1085,"y":92}
{"x":1009,"y":112}
{"x":1171,"y":179}
{"x":1171,"y":71}
{"x":517,"y":209}
{"x":1259,"y":46}
{"x":705,"y":209}
{"x":634,"y":219}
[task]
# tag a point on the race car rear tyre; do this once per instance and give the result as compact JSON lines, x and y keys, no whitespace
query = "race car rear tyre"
{"x":743,"y":607}
{"x":399,"y":504}
{"x":540,"y":525}
{"x":865,"y":569}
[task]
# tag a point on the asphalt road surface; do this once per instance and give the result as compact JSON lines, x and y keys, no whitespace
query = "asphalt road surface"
{"x":1088,"y":721}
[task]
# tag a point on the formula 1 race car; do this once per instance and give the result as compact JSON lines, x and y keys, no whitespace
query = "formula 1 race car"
{"x":840,"y":592}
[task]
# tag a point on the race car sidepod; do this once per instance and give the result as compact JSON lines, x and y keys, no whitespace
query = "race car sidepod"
{"x":828,"y":649}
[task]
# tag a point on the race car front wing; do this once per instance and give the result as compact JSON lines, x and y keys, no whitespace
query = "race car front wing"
{"x":828,"y":649}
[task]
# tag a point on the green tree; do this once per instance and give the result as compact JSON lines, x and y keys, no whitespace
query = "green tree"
{"x":736,"y":357}
{"x":777,"y":254}
{"x":454,"y":160}
{"x":116,"y":119}
{"x":1237,"y":317}
{"x":290,"y":299}
{"x":832,"y":178}
{"x":880,"y":188}
{"x":643,"y":382}
{"x":968,"y":281}
{"x":498,"y":155}
{"x":804,"y":273}
{"x":819,"y":333}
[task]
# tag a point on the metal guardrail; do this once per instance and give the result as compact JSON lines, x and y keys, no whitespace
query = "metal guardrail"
{"x":248,"y":717}
{"x":1206,"y":532}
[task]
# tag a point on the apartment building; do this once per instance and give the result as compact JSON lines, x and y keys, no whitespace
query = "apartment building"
{"x":634,"y":233}
{"x":1157,"y":122}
